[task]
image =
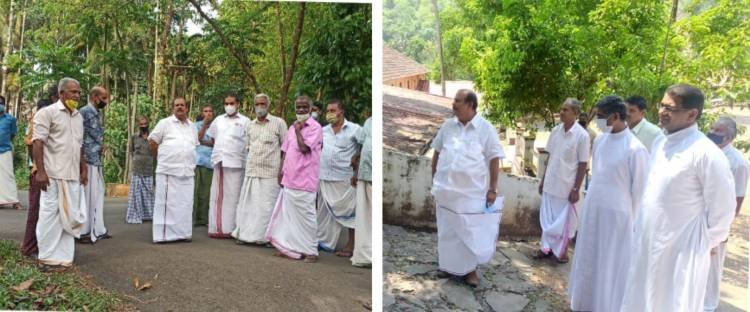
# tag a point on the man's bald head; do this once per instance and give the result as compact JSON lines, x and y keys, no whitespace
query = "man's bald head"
{"x":99,"y":96}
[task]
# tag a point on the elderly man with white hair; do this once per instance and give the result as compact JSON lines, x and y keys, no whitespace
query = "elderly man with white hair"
{"x":58,"y":143}
{"x":261,"y":187}
{"x":723,"y":132}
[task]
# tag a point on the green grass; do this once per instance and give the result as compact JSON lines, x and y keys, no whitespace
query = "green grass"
{"x":49,"y":291}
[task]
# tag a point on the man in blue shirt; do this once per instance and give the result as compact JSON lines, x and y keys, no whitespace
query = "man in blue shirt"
{"x":203,"y":168}
{"x":8,"y":130}
{"x":93,"y":150}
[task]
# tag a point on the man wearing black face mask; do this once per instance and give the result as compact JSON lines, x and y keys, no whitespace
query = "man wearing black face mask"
{"x":93,"y":143}
{"x":8,"y":130}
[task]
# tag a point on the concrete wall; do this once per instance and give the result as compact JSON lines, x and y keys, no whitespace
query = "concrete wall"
{"x":407,"y":200}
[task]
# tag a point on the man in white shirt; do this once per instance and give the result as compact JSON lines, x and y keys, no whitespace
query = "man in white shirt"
{"x":600,"y":264}
{"x":465,"y":170}
{"x":723,"y":132}
{"x":568,"y":147}
{"x":645,"y":131}
{"x":336,"y":195}
{"x":227,"y":134}
{"x":173,"y":142}
{"x":686,"y":211}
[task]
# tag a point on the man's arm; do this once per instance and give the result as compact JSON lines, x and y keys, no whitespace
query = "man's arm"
{"x":154,"y":147}
{"x":303,"y":148}
{"x":739,"y":206}
{"x":492,"y":192}
{"x":38,"y":158}
{"x":281,"y":167}
{"x":435,"y":157}
{"x":574,"y":193}
{"x":202,"y":133}
{"x":83,"y":169}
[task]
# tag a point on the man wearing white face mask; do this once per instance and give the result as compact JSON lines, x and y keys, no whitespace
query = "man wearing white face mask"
{"x":227,"y":134}
{"x":600,"y":265}
{"x":261,"y":187}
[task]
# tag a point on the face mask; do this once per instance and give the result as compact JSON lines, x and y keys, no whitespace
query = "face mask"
{"x":261,"y":112}
{"x":601,"y":123}
{"x":331,"y":118}
{"x":230,"y":109}
{"x":717,"y":139}
{"x":144,"y":129}
{"x":302,"y":117}
{"x":314,"y":115}
{"x":71,"y":104}
{"x":102,"y":104}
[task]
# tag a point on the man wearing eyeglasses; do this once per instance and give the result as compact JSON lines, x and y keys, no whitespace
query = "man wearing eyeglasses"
{"x":686,"y":211}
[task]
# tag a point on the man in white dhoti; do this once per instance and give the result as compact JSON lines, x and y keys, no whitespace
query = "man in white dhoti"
{"x":602,"y":254}
{"x":227,"y":133}
{"x":8,"y":131}
{"x":293,"y":227}
{"x":362,"y":254}
{"x":645,"y":131}
{"x":173,"y":142}
{"x":465,"y":171}
{"x":723,"y":132}
{"x":336,"y":196}
{"x":568,"y":147}
{"x":687,"y":209}
{"x":58,"y":143}
{"x":261,"y":187}
{"x":93,"y":148}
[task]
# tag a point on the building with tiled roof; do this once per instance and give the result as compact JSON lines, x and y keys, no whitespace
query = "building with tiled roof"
{"x":401,"y":71}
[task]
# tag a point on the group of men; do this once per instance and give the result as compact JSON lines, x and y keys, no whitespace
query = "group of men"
{"x":269,"y":184}
{"x":651,"y":235}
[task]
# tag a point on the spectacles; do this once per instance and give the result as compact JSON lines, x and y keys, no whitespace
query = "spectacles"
{"x":671,"y":109}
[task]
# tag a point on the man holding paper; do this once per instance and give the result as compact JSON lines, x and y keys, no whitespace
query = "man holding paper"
{"x":464,"y":169}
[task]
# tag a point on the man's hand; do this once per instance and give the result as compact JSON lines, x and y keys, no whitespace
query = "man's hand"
{"x":281,"y":176}
{"x":491,"y":196}
{"x":84,"y":175}
{"x":207,"y":122}
{"x":41,"y":178}
{"x":541,"y":188}
{"x":298,"y":125}
{"x":354,"y":181}
{"x":573,"y":197}
{"x":713,"y":251}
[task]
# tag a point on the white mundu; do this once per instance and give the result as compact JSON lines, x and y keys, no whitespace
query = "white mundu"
{"x":739,"y":167}
{"x":466,"y":234}
{"x":602,"y":253}
{"x":687,"y":209}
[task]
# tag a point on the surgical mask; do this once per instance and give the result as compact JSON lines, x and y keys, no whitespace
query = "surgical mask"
{"x":601,"y":123}
{"x":71,"y":104}
{"x":230,"y":109}
{"x":261,"y":111}
{"x":302,"y":117}
{"x":314,"y":115}
{"x":717,"y":139}
{"x":331,"y":118}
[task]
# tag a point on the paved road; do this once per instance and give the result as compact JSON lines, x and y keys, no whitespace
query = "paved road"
{"x":208,"y":274}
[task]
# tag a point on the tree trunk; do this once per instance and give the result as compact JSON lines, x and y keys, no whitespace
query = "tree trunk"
{"x":8,"y":48}
{"x":157,"y":69}
{"x":19,"y":94}
{"x":289,"y":72}
{"x":672,"y":19}
{"x":440,"y":45}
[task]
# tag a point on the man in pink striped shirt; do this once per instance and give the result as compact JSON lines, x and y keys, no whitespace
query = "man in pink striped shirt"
{"x":293,"y":227}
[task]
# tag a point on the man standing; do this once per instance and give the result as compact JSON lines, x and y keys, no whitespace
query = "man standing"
{"x":261,"y":188}
{"x":227,"y":134}
{"x":645,"y":131}
{"x":723,"y":132}
{"x":141,"y":192}
{"x":602,"y":255}
{"x":362,"y":256}
{"x":336,"y":196}
{"x":293,"y":227}
{"x":173,"y":142}
{"x":8,"y":131}
{"x":686,"y":211}
{"x":465,"y":171}
{"x":58,"y":146}
{"x":93,"y":141}
{"x":203,"y":169}
{"x":568,"y":147}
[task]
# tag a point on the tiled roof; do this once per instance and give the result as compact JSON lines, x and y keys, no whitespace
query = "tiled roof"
{"x":412,"y":118}
{"x":397,"y":65}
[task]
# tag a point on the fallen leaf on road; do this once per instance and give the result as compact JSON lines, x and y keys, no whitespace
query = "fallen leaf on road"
{"x":145,"y":286}
{"x":24,"y":286}
{"x":136,"y":283}
{"x":156,"y":276}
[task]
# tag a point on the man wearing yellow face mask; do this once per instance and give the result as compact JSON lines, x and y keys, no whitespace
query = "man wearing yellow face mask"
{"x":336,"y":194}
{"x":57,"y":143}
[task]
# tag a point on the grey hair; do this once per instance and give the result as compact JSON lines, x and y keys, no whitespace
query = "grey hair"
{"x":64,"y":82}
{"x":730,"y":124}
{"x":260,"y":95}
{"x":573,"y":103}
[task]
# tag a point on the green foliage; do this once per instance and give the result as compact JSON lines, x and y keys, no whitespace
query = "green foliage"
{"x":48,"y":291}
{"x":20,"y":157}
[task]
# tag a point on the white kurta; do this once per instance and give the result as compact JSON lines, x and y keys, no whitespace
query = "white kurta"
{"x":94,"y":227}
{"x":362,"y":254}
{"x":255,"y":208}
{"x":466,"y":233}
{"x":62,"y":212}
{"x":173,"y":208}
{"x":226,"y":184}
{"x":336,"y":212}
{"x":8,"y":191}
{"x":687,"y":209}
{"x":602,"y":254}
{"x":293,"y":225}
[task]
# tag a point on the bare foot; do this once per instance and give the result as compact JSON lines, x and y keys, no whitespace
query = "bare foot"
{"x":344,"y":253}
{"x":472,"y":279}
{"x":311,"y":259}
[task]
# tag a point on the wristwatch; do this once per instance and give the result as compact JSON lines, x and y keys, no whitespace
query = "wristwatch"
{"x":493,"y":191}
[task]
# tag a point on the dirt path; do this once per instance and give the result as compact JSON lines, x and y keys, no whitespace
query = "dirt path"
{"x":208,"y":274}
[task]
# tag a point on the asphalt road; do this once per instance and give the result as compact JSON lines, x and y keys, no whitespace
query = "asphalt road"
{"x":207,"y":274}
